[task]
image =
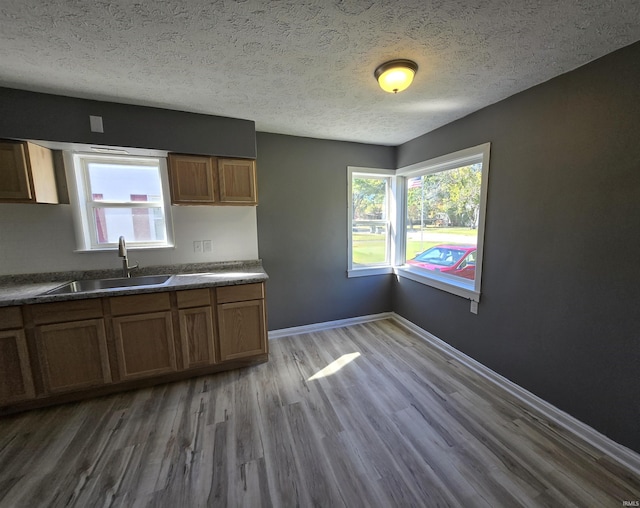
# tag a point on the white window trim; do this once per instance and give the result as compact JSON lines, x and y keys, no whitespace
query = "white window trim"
{"x":392,"y":206}
{"x":83,"y":226}
{"x":466,"y":289}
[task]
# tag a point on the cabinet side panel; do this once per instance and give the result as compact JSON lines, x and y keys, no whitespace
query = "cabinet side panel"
{"x":43,"y":173}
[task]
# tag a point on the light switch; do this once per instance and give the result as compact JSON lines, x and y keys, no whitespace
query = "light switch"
{"x":197,"y":246}
{"x":207,"y":246}
{"x":96,"y":123}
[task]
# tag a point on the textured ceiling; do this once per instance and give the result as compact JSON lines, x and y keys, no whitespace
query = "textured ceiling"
{"x":305,"y":67}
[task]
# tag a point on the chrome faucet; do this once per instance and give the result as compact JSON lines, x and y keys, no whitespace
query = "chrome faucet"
{"x":122,"y":252}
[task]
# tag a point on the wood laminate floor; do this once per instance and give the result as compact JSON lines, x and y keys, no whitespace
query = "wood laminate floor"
{"x":363,"y":416}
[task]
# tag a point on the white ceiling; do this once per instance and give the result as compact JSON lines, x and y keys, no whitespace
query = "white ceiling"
{"x":305,"y":67}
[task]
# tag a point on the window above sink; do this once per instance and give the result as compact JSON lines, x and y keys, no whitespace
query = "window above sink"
{"x":115,"y":195}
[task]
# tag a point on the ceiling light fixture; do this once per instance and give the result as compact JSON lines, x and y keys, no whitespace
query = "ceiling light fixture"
{"x":396,"y":75}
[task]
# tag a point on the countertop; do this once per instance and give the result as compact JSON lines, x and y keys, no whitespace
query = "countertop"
{"x":29,"y":288}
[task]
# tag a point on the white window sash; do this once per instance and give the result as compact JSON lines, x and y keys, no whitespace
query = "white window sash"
{"x":83,"y":204}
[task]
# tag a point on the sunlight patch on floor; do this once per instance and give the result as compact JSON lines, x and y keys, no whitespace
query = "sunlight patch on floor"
{"x":334,"y":366}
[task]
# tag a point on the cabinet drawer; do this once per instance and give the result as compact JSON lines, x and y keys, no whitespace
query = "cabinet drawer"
{"x":60,"y":312}
{"x":240,"y":293}
{"x":10,"y":317}
{"x":194,"y":298}
{"x":138,"y":304}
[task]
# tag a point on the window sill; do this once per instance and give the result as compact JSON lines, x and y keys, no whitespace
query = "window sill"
{"x":364,"y":272}
{"x":449,"y":284}
{"x":112,"y":249}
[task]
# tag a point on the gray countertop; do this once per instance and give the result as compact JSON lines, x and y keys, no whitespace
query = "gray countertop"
{"x":29,"y":288}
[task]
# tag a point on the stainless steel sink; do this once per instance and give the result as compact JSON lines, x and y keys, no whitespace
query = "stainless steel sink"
{"x":81,"y":286}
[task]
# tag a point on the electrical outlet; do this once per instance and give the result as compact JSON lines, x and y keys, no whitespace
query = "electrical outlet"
{"x":474,"y":307}
{"x":207,"y":246}
{"x":197,"y":246}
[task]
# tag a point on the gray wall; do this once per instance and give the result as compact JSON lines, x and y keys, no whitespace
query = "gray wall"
{"x":302,"y":230}
{"x":559,"y":309}
{"x":30,"y":115}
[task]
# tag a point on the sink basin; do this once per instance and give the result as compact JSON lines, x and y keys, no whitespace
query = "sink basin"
{"x":81,"y":286}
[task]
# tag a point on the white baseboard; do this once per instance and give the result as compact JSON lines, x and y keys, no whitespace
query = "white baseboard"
{"x":327,"y":325}
{"x":616,"y":451}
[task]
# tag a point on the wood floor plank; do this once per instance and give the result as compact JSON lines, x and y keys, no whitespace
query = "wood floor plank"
{"x":363,"y":416}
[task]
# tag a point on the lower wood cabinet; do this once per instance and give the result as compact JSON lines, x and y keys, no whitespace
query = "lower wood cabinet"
{"x":16,"y":382}
{"x":67,"y":350}
{"x":197,"y":337}
{"x":143,"y":335}
{"x":144,"y":345}
{"x":241,"y":321}
{"x":242,"y":329}
{"x":197,"y":328}
{"x":73,"y":355}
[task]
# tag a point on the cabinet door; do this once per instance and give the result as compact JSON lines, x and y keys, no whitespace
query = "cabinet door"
{"x":237,"y":181}
{"x":14,"y":173}
{"x":144,"y":345}
{"x":242,"y":329}
{"x":193,"y":180}
{"x":73,"y":355}
{"x":16,"y":382}
{"x":197,"y":337}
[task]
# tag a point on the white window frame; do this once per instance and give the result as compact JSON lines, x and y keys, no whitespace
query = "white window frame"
{"x":461,"y":287}
{"x":382,"y":268}
{"x":76,"y":165}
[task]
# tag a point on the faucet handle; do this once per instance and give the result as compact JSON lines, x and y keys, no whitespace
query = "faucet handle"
{"x":122,"y":247}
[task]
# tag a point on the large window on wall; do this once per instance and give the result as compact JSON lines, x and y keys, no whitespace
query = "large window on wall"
{"x":371,"y":214}
{"x":443,"y":215}
{"x":120,"y":196}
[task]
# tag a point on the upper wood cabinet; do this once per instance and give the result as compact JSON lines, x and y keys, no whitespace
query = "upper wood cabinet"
{"x":26,"y":173}
{"x":237,"y":181}
{"x":193,"y":179}
{"x":203,"y":180}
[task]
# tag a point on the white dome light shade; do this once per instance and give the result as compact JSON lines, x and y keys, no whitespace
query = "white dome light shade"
{"x":396,"y":75}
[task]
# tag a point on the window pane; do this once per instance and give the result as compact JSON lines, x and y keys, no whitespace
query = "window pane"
{"x":442,"y":220}
{"x":369,"y":198}
{"x":135,"y":224}
{"x":123,"y":182}
{"x":370,"y":229}
{"x":370,"y":243}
